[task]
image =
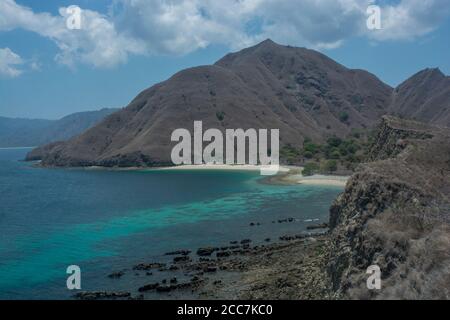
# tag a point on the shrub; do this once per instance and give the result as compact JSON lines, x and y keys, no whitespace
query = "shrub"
{"x":329,"y":166}
{"x":335,"y":154}
{"x":289,"y":153}
{"x":310,"y":168}
{"x":343,"y":116}
{"x":308,"y":154}
{"x":220,"y":115}
{"x":334,"y":141}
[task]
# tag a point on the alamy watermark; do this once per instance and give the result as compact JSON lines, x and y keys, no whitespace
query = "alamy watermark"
{"x":237,"y":142}
{"x":73,"y":17}
{"x":374,"y":280}
{"x":373,"y":21}
{"x":74,"y":280}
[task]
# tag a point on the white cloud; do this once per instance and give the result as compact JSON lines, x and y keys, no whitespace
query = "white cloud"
{"x":411,"y":19}
{"x":9,"y":63}
{"x":97,"y":43}
{"x":183,"y":26}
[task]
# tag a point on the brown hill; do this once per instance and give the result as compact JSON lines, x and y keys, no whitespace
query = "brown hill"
{"x":423,"y":97}
{"x":299,"y":91}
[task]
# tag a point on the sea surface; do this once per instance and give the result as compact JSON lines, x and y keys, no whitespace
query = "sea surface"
{"x":109,"y":220}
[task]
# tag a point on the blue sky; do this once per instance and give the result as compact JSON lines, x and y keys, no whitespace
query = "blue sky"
{"x":124,"y":46}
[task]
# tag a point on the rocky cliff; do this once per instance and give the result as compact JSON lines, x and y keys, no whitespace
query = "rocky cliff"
{"x":395,"y":213}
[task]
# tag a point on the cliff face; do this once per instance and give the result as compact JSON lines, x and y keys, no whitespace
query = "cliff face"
{"x":395,"y":213}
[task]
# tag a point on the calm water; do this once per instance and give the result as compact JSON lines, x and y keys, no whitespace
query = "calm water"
{"x":105,"y":221}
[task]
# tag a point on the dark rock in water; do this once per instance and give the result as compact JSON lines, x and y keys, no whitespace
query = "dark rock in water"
{"x":173,"y":280}
{"x":318,"y":226}
{"x":204,"y":259}
{"x":148,"y":287}
{"x":116,"y":275}
{"x":223,"y":254}
{"x":210,"y":269}
{"x":183,"y":285}
{"x":178,"y":252}
{"x":149,"y":273}
{"x":149,"y":266}
{"x":173,"y":268}
{"x":233,"y":242}
{"x":286,"y":220}
{"x":181,"y":259}
{"x":96,"y":295}
{"x":205,"y":251}
{"x":245,"y":241}
{"x":165,"y":288}
{"x":287,"y":238}
{"x":267,"y":239}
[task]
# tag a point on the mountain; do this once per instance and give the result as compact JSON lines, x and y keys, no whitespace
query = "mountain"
{"x":299,"y":91}
{"x":16,"y":132}
{"x":395,"y":213}
{"x":424,"y":97}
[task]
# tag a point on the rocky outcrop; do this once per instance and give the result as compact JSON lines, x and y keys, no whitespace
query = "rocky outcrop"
{"x":39,"y":152}
{"x":395,"y":213}
{"x":393,"y":136}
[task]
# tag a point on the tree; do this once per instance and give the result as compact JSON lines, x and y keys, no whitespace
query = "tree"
{"x":335,"y":154}
{"x":334,"y":141}
{"x":308,"y":154}
{"x":310,"y":168}
{"x":329,"y":166}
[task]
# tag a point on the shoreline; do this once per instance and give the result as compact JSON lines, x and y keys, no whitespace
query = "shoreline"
{"x":240,"y":269}
{"x":287,"y":174}
{"x":233,"y":167}
{"x":294,"y":176}
{"x":15,"y":148}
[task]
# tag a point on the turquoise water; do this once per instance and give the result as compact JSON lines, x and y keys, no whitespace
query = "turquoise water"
{"x":106,"y":220}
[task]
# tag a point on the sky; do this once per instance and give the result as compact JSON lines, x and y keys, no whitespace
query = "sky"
{"x":53,"y":64}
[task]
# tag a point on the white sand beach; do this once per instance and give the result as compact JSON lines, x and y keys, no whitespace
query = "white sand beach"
{"x":286,"y":174}
{"x":237,"y":167}
{"x":319,"y":179}
{"x":294,"y":176}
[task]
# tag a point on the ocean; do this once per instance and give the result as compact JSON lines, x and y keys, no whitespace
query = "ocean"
{"x":109,"y":220}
